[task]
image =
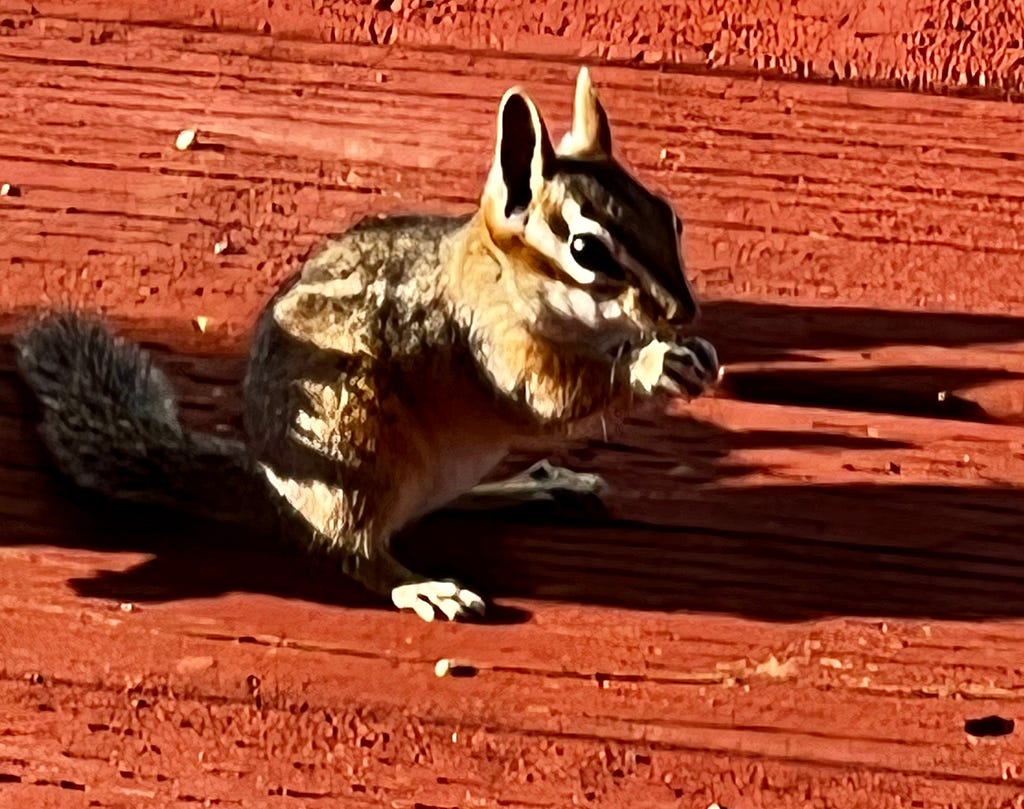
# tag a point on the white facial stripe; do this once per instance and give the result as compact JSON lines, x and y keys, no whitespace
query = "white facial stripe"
{"x":578,"y":223}
{"x":541,"y":237}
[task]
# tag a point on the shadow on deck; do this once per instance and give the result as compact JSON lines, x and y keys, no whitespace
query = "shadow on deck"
{"x":709,"y":543}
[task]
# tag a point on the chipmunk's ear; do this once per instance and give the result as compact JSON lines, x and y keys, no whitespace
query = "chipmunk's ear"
{"x":590,"y":135}
{"x":523,"y":157}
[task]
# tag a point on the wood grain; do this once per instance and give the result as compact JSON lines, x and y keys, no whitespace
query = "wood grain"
{"x":804,"y":587}
{"x":790,"y":190}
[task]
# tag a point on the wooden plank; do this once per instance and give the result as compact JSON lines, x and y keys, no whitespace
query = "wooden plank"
{"x":804,"y":588}
{"x":766,"y":515}
{"x":786,"y":187}
{"x":927,"y":45}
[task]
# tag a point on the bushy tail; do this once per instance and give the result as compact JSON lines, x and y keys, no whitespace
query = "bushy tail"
{"x":111,"y":423}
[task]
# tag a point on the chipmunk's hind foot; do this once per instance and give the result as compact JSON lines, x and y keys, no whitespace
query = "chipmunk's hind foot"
{"x":543,"y":483}
{"x":427,"y":598}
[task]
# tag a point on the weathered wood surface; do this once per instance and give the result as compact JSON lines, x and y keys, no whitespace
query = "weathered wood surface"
{"x":774,"y":617}
{"x":806,"y":586}
{"x":839,"y":194}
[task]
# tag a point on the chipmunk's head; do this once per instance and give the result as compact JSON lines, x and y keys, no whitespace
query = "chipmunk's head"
{"x":604,"y":242}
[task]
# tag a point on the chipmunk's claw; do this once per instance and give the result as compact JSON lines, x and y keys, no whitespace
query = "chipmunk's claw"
{"x":691,"y":368}
{"x":427,"y":598}
{"x":543,"y":483}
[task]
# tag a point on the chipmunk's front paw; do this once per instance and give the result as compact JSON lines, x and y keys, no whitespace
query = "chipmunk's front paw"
{"x":690,"y":368}
{"x":427,"y":598}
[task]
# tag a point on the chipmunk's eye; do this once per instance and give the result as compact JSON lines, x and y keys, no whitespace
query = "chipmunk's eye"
{"x":592,"y":254}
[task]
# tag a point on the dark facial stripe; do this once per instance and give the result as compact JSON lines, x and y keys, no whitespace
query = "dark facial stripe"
{"x":632,"y":215}
{"x":641,"y":222}
{"x":558,"y":225}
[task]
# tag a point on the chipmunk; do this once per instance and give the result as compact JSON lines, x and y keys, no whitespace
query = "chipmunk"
{"x":395,"y":370}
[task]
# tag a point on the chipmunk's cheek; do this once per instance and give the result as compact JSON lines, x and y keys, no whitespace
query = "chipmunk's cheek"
{"x":610,"y":310}
{"x":583,"y":307}
{"x":573,"y":304}
{"x":629,"y":302}
{"x":631,"y":306}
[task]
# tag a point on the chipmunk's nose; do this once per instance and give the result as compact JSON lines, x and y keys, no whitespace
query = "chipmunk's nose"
{"x":687,"y":312}
{"x":674,"y":295}
{"x":687,"y":309}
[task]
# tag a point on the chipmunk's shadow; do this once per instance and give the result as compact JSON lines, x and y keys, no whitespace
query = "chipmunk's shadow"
{"x":784,"y":553}
{"x":781,"y":552}
{"x":773,"y":553}
{"x":678,"y":537}
{"x":196,"y":559}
